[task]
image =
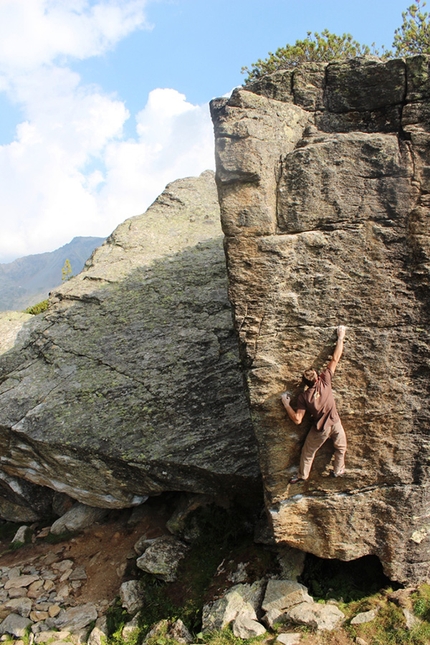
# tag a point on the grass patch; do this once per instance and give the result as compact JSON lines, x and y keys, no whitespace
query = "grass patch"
{"x":52,"y":538}
{"x":116,"y":618}
{"x":389,"y":628}
{"x":226,"y":637}
{"x":37,"y":309}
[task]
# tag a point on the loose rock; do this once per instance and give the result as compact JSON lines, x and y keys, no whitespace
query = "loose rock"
{"x":279,"y":597}
{"x":15,"y":625}
{"x":79,"y":517}
{"x":364,"y":617}
{"x":315,"y":615}
{"x":162,"y":558}
{"x":288,"y":639}
{"x":131,"y":595}
{"x":21,"y":606}
{"x":242,"y":599}
{"x":76,"y":618}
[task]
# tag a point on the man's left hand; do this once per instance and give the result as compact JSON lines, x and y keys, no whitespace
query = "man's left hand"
{"x":286,"y":398}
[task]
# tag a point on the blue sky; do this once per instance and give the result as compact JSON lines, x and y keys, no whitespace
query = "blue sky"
{"x":103,"y":102}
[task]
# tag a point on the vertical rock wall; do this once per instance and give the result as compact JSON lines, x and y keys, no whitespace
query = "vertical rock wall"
{"x":323,"y":176}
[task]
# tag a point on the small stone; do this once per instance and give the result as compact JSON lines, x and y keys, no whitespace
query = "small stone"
{"x":76,"y":618}
{"x":50,"y":557}
{"x":42,"y":606}
{"x":243,"y":599}
{"x":121,"y":569}
{"x":14,"y":572}
{"x":364,"y":617}
{"x":97,"y":637}
{"x":289,"y":638}
{"x":131,"y":596}
{"x":315,"y":615}
{"x":20,"y":581}
{"x":246,"y":627}
{"x":66,"y":575}
{"x":22,"y":535}
{"x":162,"y":558}
{"x":142,"y":544}
{"x":130,"y":628}
{"x":361,"y":641}
{"x":240,"y":574}
{"x":43,"y":533}
{"x":410,"y":618}
{"x":63,"y":566}
{"x":15,"y":625}
{"x":78,"y":574}
{"x":79,"y":517}
{"x":35,"y":586}
{"x":18,"y":593}
{"x":63,"y":591}
{"x":37,"y":616}
{"x":179,"y":633}
{"x":48,"y":585}
{"x":21,"y":606}
{"x":54,"y":610}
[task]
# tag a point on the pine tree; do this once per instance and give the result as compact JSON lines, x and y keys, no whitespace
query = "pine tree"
{"x":66,"y":271}
{"x":316,"y":47}
{"x":413,"y":37}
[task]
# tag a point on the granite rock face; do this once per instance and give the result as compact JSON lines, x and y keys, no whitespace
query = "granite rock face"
{"x":130,"y":384}
{"x":323,"y":175}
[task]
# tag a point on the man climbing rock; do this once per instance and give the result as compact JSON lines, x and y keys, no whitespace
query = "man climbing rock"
{"x":318,"y":400}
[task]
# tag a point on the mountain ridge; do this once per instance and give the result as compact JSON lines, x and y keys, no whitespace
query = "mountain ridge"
{"x":27,"y":280}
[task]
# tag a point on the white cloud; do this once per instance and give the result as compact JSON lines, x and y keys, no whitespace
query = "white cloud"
{"x":37,"y":32}
{"x":175,"y":140}
{"x":50,"y":189}
{"x":70,"y":171}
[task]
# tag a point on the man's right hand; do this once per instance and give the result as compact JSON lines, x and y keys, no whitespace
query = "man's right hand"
{"x":341,"y":331}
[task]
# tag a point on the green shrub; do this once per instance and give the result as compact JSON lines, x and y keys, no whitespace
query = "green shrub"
{"x":38,"y":309}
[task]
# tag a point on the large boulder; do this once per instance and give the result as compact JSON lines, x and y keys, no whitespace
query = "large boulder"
{"x":323,"y":175}
{"x":130,"y":384}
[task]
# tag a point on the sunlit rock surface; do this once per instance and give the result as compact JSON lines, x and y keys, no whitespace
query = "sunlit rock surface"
{"x":324,"y":179}
{"x":130,"y":384}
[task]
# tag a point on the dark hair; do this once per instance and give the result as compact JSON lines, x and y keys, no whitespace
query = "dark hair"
{"x":308,"y":377}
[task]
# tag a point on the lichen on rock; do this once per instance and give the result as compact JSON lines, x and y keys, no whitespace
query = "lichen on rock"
{"x":130,"y":384}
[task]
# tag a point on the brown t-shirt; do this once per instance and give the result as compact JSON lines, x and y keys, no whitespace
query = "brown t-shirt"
{"x":319,"y":401}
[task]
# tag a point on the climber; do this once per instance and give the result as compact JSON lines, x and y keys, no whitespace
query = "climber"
{"x":318,"y":400}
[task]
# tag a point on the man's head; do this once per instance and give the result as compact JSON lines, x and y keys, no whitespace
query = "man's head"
{"x":310,"y":377}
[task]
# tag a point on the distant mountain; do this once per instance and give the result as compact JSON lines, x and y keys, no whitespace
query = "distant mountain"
{"x":28,"y":280}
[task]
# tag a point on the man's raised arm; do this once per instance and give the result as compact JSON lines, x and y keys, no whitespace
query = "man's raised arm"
{"x":338,"y":350}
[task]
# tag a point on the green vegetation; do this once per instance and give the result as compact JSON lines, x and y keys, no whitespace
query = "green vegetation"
{"x":413,"y":37}
{"x":410,"y":39}
{"x":38,"y":309}
{"x":66,"y":271}
{"x":323,"y":47}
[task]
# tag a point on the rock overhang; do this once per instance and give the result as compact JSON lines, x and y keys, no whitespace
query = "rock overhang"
{"x":130,"y":384}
